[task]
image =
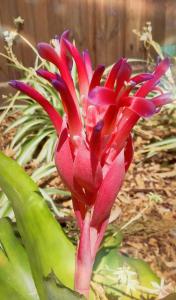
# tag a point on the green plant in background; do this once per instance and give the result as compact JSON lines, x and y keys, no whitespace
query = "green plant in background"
{"x":33,"y":125}
{"x":146,"y":37}
{"x":168,"y":83}
{"x":34,"y":138}
{"x":37,"y":260}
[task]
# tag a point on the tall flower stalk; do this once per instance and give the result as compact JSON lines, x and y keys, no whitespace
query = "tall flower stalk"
{"x":95,"y":145}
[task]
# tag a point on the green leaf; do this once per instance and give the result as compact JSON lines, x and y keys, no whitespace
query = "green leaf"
{"x":113,"y":241}
{"x":24,"y":130}
{"x":52,"y":204}
{"x":5,"y":207}
{"x":16,"y":280}
{"x":17,"y":122}
{"x":59,"y":192}
{"x":123,"y":276}
{"x":32,"y":108}
{"x":29,"y":147}
{"x":48,"y":249}
{"x":164,"y":145}
{"x":47,"y":151}
{"x":51,"y":147}
{"x":44,"y":171}
{"x":56,"y":291}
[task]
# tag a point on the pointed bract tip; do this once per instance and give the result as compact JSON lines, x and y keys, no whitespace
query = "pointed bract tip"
{"x":40,"y":72}
{"x":13,"y":83}
{"x":39,"y":45}
{"x":101,"y":67}
{"x":167,"y":60}
{"x":85,"y":51}
{"x":99,"y":125}
{"x":54,"y":81}
{"x":43,"y":46}
{"x":58,"y":77}
{"x":165,"y":63}
{"x":68,"y":44}
{"x":58,"y":84}
{"x":66,"y":34}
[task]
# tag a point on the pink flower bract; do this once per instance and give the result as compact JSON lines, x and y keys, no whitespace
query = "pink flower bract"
{"x":95,"y":145}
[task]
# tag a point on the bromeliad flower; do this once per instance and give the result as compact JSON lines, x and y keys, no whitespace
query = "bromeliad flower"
{"x":95,"y":146}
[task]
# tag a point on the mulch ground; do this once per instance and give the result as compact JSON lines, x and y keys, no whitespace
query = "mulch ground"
{"x":146,"y":205}
{"x":148,"y":215}
{"x":148,"y":202}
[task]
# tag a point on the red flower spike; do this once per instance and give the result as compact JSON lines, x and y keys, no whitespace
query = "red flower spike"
{"x":128,"y":153}
{"x":47,"y":52}
{"x":71,"y":110}
{"x":31,"y":92}
{"x":80,"y":210}
{"x":102,"y":96}
{"x":95,"y":140}
{"x":96,"y":78}
{"x":160,"y":70}
{"x":63,"y":52}
{"x":88,"y":175}
{"x":64,"y":162}
{"x":125,"y":125}
{"x":64,"y":159}
{"x":161,"y":99}
{"x":110,"y":119}
{"x":95,"y":147}
{"x":88,"y":64}
{"x":46,"y":74}
{"x":108,"y":191}
{"x":96,"y":236}
{"x":82,"y":72}
{"x":84,"y":259}
{"x":133,"y":82}
{"x":141,"y":106}
{"x":64,"y":34}
{"x":112,"y":76}
{"x":141,"y":78}
{"x":123,"y":75}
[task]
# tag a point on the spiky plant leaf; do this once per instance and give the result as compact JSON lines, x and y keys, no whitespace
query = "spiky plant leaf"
{"x":123,"y":276}
{"x":44,"y":171}
{"x":16,"y":280}
{"x":30,"y":147}
{"x":47,"y":247}
{"x":56,"y":290}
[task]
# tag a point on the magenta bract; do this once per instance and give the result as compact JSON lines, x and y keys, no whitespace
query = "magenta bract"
{"x":95,"y":146}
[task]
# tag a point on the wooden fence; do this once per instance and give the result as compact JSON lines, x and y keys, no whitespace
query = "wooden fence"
{"x":103,"y":26}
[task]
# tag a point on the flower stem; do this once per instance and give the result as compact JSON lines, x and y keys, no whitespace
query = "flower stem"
{"x":84,"y":261}
{"x":90,"y":239}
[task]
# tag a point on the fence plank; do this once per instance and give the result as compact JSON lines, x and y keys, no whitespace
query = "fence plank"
{"x":103,"y":26}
